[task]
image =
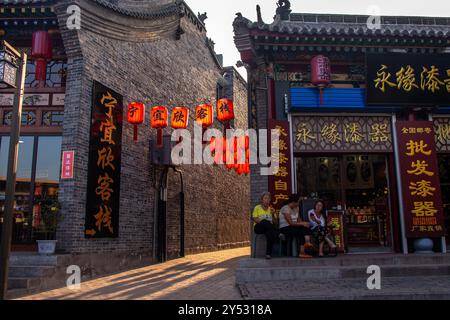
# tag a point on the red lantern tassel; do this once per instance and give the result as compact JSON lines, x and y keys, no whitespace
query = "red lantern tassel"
{"x":135,"y":134}
{"x":160,"y":138}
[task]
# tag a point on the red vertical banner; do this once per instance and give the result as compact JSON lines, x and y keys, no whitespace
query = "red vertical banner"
{"x":422,"y":201}
{"x":335,"y":220}
{"x":67,"y":163}
{"x":280,"y":183}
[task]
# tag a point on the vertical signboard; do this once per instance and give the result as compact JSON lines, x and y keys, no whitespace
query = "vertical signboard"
{"x":419,"y":172}
{"x":68,"y":159}
{"x":103,"y":191}
{"x":280,"y":184}
{"x":335,"y":220}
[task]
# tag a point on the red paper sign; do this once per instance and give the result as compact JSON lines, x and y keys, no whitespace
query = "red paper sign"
{"x":67,"y":165}
{"x":424,"y":216}
{"x":335,"y":220}
{"x":280,"y":184}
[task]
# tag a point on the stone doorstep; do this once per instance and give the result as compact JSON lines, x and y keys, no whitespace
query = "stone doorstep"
{"x":255,"y":275}
{"x":347,"y":260}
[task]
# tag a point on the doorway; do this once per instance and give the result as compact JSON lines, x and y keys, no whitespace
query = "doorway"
{"x":358,"y":186}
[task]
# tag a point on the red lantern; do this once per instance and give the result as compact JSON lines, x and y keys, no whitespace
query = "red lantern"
{"x":320,"y":73}
{"x":160,"y":120}
{"x":225,"y":110}
{"x":136,"y":114}
{"x":180,"y":117}
{"x":204,"y":115}
{"x":41,"y":51}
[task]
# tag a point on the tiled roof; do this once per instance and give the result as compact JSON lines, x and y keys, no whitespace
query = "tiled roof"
{"x":142,"y":9}
{"x":332,"y":24}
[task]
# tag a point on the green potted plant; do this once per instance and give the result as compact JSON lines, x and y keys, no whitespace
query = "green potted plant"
{"x":46,"y":231}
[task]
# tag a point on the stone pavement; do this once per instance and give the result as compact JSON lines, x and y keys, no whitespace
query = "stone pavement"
{"x":397,"y":288}
{"x":207,"y":276}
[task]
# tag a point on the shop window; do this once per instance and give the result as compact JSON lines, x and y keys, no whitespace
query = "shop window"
{"x":38,"y":165}
{"x":22,"y":200}
{"x":444,"y":169}
{"x":56,"y":75}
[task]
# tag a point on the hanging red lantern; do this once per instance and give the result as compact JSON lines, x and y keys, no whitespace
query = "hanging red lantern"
{"x":41,"y":51}
{"x":321,"y":73}
{"x":160,"y":120}
{"x":180,"y":117}
{"x":204,"y":115}
{"x":136,"y":115}
{"x":225,"y":111}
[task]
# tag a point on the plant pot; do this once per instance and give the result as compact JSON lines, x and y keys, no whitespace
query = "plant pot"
{"x":47,"y":247}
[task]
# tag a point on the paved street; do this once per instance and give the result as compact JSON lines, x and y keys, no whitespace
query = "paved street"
{"x":208,"y":276}
{"x":417,"y":288}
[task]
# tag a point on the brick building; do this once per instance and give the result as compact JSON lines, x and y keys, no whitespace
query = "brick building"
{"x":156,"y":52}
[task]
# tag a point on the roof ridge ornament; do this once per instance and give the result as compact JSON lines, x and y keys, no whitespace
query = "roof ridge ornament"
{"x":283,"y":9}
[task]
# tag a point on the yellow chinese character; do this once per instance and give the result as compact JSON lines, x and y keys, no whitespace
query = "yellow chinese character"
{"x":330,"y":133}
{"x":304,"y":134}
{"x":383,"y":79}
{"x":282,"y":131}
{"x":419,"y":168}
{"x":107,"y":128}
{"x":109,"y":102}
{"x":415,"y":147}
{"x":379,"y":133}
{"x":281,"y":186}
{"x":280,"y":198}
{"x":406,"y":79}
{"x":447,"y":82}
{"x":443,"y":133}
{"x":103,"y":190}
{"x":104,"y":218}
{"x":353,"y":133}
{"x":105,"y":158}
{"x":424,"y":209}
{"x":282,"y":172}
{"x":430,"y":79}
{"x":422,"y":188}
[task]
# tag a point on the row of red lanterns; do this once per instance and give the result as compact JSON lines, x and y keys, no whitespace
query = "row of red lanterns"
{"x":204,"y":116}
{"x":232,"y":150}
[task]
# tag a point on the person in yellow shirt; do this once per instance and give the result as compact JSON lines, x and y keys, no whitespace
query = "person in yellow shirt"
{"x":263,"y":217}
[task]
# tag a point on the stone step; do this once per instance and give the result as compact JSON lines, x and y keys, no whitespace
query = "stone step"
{"x":31,"y":271}
{"x":348,"y":260}
{"x":395,"y":288}
{"x":324,"y":273}
{"x":33,"y":260}
{"x":23,"y":283}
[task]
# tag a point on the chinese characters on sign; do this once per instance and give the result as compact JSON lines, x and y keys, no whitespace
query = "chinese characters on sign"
{"x":424,"y":215}
{"x":335,"y":220}
{"x":408,"y":78}
{"x":342,"y":134}
{"x":102,"y":212}
{"x":67,"y":165}
{"x":280,"y":184}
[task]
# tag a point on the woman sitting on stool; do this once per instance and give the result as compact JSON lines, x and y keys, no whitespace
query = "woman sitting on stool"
{"x":263,"y":217}
{"x":317,"y":221}
{"x":292,"y":226}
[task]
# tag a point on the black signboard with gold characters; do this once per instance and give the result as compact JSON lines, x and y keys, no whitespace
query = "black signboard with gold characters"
{"x":103,"y":192}
{"x":408,"y":79}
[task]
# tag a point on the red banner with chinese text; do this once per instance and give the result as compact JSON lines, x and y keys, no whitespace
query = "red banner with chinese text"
{"x":280,"y":184}
{"x":335,"y":220}
{"x":424,"y":216}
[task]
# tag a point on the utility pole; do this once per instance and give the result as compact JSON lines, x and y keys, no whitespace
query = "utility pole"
{"x":8,"y":219}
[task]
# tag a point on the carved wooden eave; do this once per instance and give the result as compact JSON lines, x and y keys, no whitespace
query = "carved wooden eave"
{"x":132,"y":24}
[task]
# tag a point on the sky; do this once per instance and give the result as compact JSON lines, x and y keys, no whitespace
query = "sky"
{"x":221,"y":14}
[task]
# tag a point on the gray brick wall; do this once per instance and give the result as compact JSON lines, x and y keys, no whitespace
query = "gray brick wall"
{"x":167,"y":72}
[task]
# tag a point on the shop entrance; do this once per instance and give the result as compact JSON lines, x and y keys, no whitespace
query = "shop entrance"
{"x":358,"y":186}
{"x":444,"y":169}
